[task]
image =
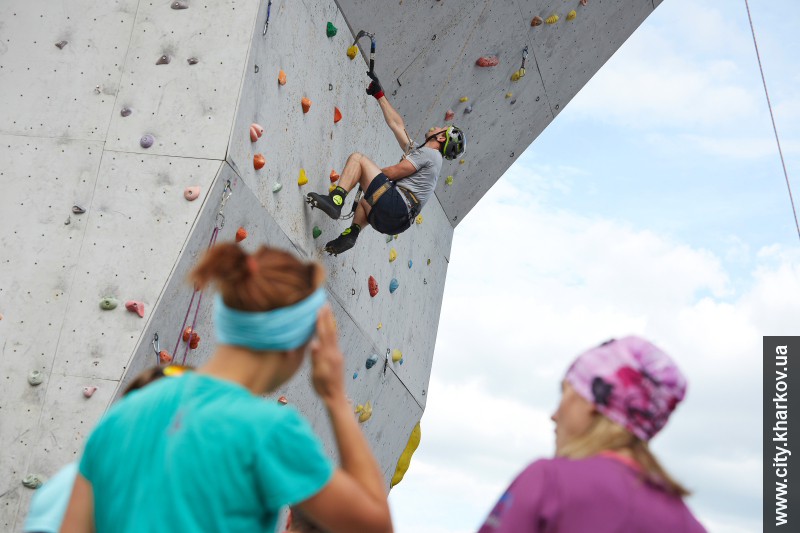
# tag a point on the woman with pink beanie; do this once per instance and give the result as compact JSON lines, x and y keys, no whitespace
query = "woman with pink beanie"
{"x":604,"y":478}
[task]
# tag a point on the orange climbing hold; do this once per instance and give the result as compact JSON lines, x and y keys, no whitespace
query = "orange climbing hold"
{"x":164,"y":357}
{"x":488,"y":61}
{"x":337,"y":115}
{"x":334,"y":176}
{"x":187,"y":333}
{"x":373,"y":286}
{"x":306,"y":103}
{"x":256,"y":131}
{"x":282,"y":400}
{"x":281,"y":77}
{"x":259,"y":161}
{"x":241,"y":234}
{"x":135,"y":307}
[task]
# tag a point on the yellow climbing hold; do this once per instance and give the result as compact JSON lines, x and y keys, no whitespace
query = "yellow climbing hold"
{"x":352,"y":51}
{"x":392,"y":255}
{"x":405,"y":457}
{"x":303,"y":179}
{"x":396,"y":355}
{"x":552,"y":19}
{"x":509,"y":95}
{"x":380,"y":325}
{"x":364,"y":412}
{"x":419,"y":219}
{"x":518,"y":74}
{"x":572,"y":14}
{"x":463,"y":99}
{"x":448,"y":180}
{"x":461,"y":162}
{"x":332,"y":187}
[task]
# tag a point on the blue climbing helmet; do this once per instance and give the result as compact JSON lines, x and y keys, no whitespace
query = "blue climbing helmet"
{"x":455,"y":144}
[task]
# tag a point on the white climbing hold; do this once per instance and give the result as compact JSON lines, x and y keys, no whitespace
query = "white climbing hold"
{"x":277,"y":187}
{"x":32,"y":481}
{"x":35,"y":377}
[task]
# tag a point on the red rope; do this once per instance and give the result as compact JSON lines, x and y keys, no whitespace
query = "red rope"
{"x":199,"y":301}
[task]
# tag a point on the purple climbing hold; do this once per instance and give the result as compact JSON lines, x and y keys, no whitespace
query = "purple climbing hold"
{"x":146,"y":141}
{"x":61,"y":44}
{"x":126,"y":111}
{"x":179,"y":4}
{"x":163,"y":60}
{"x":193,"y":61}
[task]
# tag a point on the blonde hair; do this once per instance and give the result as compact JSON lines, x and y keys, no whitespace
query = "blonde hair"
{"x":605,"y":434}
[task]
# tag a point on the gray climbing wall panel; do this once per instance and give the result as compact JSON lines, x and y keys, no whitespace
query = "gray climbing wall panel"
{"x":71,"y":126}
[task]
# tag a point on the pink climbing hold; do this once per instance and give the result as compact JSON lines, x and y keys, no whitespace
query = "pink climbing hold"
{"x":135,"y":307}
{"x":282,"y":400}
{"x":488,"y":61}
{"x":584,"y":2}
{"x":373,"y":286}
{"x":88,"y":391}
{"x":256,"y":131}
{"x":449,"y":115}
{"x":191,"y":193}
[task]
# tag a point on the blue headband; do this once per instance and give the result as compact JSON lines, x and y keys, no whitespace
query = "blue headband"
{"x":277,"y":330}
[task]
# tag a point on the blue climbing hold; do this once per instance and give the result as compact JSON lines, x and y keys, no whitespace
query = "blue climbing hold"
{"x":355,"y":375}
{"x":393,"y":285}
{"x":371,"y":360}
{"x":410,"y":263}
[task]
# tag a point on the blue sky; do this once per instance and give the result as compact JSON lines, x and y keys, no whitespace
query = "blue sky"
{"x":654,"y":204}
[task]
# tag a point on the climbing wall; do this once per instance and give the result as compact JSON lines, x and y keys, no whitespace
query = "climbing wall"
{"x":135,"y":134}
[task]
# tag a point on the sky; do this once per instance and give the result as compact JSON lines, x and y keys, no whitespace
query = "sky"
{"x":655,"y":205}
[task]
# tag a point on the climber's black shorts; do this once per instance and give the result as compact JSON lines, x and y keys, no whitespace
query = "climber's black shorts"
{"x":390,"y":214}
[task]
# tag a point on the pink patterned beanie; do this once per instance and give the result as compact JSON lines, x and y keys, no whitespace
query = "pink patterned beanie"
{"x":630,"y":381}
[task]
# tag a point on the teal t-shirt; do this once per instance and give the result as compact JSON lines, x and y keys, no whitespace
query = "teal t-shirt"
{"x":196,"y":453}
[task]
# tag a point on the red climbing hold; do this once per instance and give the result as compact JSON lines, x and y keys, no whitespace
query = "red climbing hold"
{"x":488,"y":61}
{"x":282,"y":400}
{"x":187,"y":334}
{"x":537,"y":21}
{"x":373,"y":286}
{"x":449,"y":115}
{"x":135,"y":307}
{"x":259,"y":161}
{"x":306,"y":104}
{"x":337,"y":115}
{"x":334,"y":176}
{"x":195,"y":341}
{"x":164,"y":357}
{"x":241,"y":234}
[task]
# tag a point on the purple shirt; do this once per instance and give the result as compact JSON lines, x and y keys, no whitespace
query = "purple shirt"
{"x":600,"y":494}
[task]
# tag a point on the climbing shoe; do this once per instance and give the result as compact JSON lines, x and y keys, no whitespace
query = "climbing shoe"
{"x":343,"y":242}
{"x":331,"y":205}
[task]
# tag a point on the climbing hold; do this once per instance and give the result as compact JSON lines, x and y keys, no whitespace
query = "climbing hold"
{"x":32,"y":481}
{"x":125,"y":111}
{"x":410,"y":263}
{"x":461,"y":162}
{"x":303,"y":179}
{"x":191,"y":193}
{"x":135,"y":307}
{"x":163,"y":60}
{"x":380,"y":325}
{"x":418,"y":220}
{"x":194,"y":342}
{"x":78,"y":210}
{"x":392,"y":255}
{"x":405,"y":457}
{"x":518,"y":74}
{"x":429,"y":261}
{"x":448,"y":180}
{"x":352,"y":51}
{"x":512,"y":102}
{"x":241,"y":234}
{"x":187,"y":333}
{"x":282,"y":400}
{"x":584,"y":2}
{"x":337,"y":115}
{"x":509,"y":95}
{"x":463,"y":99}
{"x":164,"y":357}
{"x":316,"y":232}
{"x":331,"y":29}
{"x":334,"y":176}
{"x":488,"y":61}
{"x":108,"y":303}
{"x":372,"y":284}
{"x":61,"y":44}
{"x":449,"y":114}
{"x":393,"y":285}
{"x":332,"y":187}
{"x":371,"y":360}
{"x":397,"y":355}
{"x":259,"y":161}
{"x":355,"y":375}
{"x":277,"y":187}
{"x":281,"y":77}
{"x":306,"y":104}
{"x":388,"y":238}
{"x":536,"y":21}
{"x":193,"y":61}
{"x":68,"y":221}
{"x":89,"y":391}
{"x":180,"y":4}
{"x":572,"y":14}
{"x":468,"y":109}
{"x":552,"y":19}
{"x":394,"y":237}
{"x":146,"y":141}
{"x":364,"y":412}
{"x":35,"y":377}
{"x":256,"y":131}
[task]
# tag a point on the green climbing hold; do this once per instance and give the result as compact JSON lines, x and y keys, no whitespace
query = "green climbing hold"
{"x":331,"y":30}
{"x":108,"y":303}
{"x":388,"y":238}
{"x":316,"y":232}
{"x":449,"y":180}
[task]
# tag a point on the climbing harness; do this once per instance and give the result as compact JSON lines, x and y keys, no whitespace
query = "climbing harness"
{"x":266,"y":23}
{"x":410,"y":196}
{"x":219,"y":223}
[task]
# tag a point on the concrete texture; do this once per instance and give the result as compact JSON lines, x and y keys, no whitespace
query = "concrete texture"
{"x":64,"y":141}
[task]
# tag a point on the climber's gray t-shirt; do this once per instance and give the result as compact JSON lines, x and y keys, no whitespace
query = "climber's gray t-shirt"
{"x":422,"y":183}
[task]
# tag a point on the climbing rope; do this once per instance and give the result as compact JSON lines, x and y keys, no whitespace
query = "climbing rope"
{"x":219,"y":223}
{"x":772,"y":117}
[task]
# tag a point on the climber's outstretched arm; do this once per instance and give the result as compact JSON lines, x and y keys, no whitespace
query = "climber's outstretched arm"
{"x":390,"y":115}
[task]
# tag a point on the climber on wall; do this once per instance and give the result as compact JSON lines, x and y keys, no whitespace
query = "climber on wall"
{"x":396,"y":194}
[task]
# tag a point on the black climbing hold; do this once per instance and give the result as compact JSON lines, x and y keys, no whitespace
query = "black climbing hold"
{"x":514,"y":101}
{"x":468,"y":110}
{"x":192,"y":60}
{"x":330,"y":86}
{"x":556,"y":106}
{"x":180,"y":4}
{"x":61,"y":44}
{"x":163,"y":60}
{"x":256,"y":69}
{"x":126,"y":111}
{"x":537,"y":98}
